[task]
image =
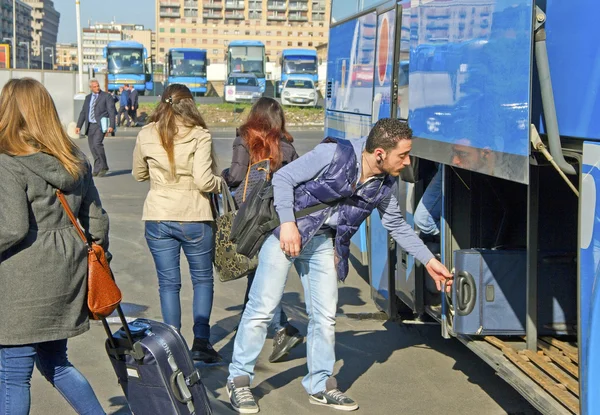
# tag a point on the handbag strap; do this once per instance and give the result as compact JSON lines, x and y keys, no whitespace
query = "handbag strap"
{"x":228,"y":203}
{"x":65,"y":205}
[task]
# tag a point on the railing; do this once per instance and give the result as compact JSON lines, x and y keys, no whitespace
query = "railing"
{"x":298,"y":6}
{"x":276,"y":17}
{"x":276,"y":6}
{"x":213,"y":5}
{"x":169,"y":13}
{"x":212,"y":15}
{"x":235,"y":5}
{"x":298,"y":18}
{"x":234,"y":16}
{"x":318,"y":17}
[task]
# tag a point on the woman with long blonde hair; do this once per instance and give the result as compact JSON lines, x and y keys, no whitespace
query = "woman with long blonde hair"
{"x":43,"y":263}
{"x":175,"y":153}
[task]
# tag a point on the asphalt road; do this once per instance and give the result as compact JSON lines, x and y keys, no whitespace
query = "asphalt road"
{"x":386,"y":367}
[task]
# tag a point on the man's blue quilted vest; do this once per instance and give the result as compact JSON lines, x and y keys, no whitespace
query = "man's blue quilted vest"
{"x":338,"y":183}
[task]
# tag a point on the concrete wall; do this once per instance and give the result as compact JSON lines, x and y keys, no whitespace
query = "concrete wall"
{"x":62,"y":86}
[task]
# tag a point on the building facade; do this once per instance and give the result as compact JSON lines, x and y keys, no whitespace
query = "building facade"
{"x":44,"y":32}
{"x":212,"y":24}
{"x":94,"y":39}
{"x":24,"y":38}
{"x":66,"y":56}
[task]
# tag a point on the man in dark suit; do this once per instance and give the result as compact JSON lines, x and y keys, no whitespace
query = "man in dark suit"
{"x":133,"y":100}
{"x":96,"y":106}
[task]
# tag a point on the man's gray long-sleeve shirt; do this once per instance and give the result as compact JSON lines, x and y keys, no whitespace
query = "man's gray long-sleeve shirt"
{"x":311,"y":165}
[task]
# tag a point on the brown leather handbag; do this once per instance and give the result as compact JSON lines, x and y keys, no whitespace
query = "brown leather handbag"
{"x":103,"y":293}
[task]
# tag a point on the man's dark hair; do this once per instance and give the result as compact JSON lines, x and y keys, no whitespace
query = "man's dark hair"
{"x":387,"y":133}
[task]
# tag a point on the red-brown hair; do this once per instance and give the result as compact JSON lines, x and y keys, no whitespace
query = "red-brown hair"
{"x":263,"y":131}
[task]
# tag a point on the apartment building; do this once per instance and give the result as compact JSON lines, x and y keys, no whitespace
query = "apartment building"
{"x":212,"y":24}
{"x":66,"y":56}
{"x":44,"y":32}
{"x":94,"y":39}
{"x":24,"y":22}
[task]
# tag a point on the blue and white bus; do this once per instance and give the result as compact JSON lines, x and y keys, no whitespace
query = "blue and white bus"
{"x":247,"y":56}
{"x":128,"y":63}
{"x":299,"y":62}
{"x":479,"y":82}
{"x":188,"y":67}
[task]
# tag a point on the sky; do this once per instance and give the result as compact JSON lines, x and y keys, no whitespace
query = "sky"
{"x":102,"y":11}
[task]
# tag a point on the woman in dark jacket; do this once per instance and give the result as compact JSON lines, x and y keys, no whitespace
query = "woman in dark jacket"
{"x":43,"y":263}
{"x":264,"y":136}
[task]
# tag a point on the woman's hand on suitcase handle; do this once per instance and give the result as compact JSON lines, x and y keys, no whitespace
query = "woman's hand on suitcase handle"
{"x":289,"y":239}
{"x":440,"y":274}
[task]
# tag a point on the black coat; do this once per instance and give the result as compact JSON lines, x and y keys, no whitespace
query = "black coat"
{"x":240,"y":160}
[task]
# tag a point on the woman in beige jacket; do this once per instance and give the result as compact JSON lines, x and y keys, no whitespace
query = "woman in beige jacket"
{"x":175,"y":153}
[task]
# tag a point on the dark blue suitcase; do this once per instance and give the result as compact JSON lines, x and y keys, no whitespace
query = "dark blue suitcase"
{"x":155,"y":369}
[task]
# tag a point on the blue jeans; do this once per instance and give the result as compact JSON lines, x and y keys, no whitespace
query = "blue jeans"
{"x":429,"y":210}
{"x":16,"y":367}
{"x":316,"y":268}
{"x":165,"y":240}
{"x":279,"y":317}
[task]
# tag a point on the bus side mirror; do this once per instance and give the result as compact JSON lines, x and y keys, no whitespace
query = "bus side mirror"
{"x":207,"y":62}
{"x":320,"y":61}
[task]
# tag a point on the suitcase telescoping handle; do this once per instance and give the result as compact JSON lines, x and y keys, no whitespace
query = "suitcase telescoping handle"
{"x":133,"y":348}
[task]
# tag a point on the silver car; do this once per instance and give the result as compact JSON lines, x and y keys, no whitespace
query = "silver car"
{"x":301,"y":92}
{"x":242,"y":87}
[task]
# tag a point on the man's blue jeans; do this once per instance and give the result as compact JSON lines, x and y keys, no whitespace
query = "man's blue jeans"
{"x":316,"y":268}
{"x":165,"y":240}
{"x":279,"y":317}
{"x":16,"y":367}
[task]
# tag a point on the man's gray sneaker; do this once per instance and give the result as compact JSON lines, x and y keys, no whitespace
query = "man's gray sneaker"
{"x":285,"y":340}
{"x":240,"y":395}
{"x":333,"y":398}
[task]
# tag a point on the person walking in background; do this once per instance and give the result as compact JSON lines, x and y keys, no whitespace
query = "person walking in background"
{"x":124,"y":106}
{"x":43,"y":263}
{"x":175,"y":153}
{"x":96,"y":106}
{"x":264,"y":136}
{"x":133,"y":106}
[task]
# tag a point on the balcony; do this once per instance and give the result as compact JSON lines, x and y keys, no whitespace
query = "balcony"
{"x":276,"y":5}
{"x":318,"y":17}
{"x":278,"y":17}
{"x":212,"y":5}
{"x":236,"y":16}
{"x":212,"y":15}
{"x":192,"y":4}
{"x":234,"y":5}
{"x":170,"y":13}
{"x":298,"y":6}
{"x":318,"y":8}
{"x":190,"y":13}
{"x":255,"y":6}
{"x":255,"y":15}
{"x":298,"y":18}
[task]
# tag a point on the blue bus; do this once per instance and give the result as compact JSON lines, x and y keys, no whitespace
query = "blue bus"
{"x":492,"y":90}
{"x":128,"y":63}
{"x":247,"y":56}
{"x":299,"y":62}
{"x":188,"y":67}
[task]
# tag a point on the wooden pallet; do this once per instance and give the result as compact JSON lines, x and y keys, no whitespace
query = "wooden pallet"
{"x":554,"y":367}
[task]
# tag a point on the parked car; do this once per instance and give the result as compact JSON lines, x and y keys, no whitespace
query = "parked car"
{"x":301,"y":92}
{"x":242,"y":87}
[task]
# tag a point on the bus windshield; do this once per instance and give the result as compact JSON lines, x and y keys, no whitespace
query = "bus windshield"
{"x":122,"y":60}
{"x":247,"y":59}
{"x":242,"y":81}
{"x":187,"y":63}
{"x":297,"y":64}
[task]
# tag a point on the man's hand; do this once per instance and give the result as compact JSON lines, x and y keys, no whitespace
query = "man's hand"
{"x":110,"y":130}
{"x":77,"y":130}
{"x":127,"y":108}
{"x":439,"y":273}
{"x":289,"y":239}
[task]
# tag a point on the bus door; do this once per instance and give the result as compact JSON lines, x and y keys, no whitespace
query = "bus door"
{"x":382,"y":255}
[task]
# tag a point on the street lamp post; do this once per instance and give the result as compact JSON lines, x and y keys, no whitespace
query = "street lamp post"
{"x":51,"y":55}
{"x":14,"y":43}
{"x":28,"y":54}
